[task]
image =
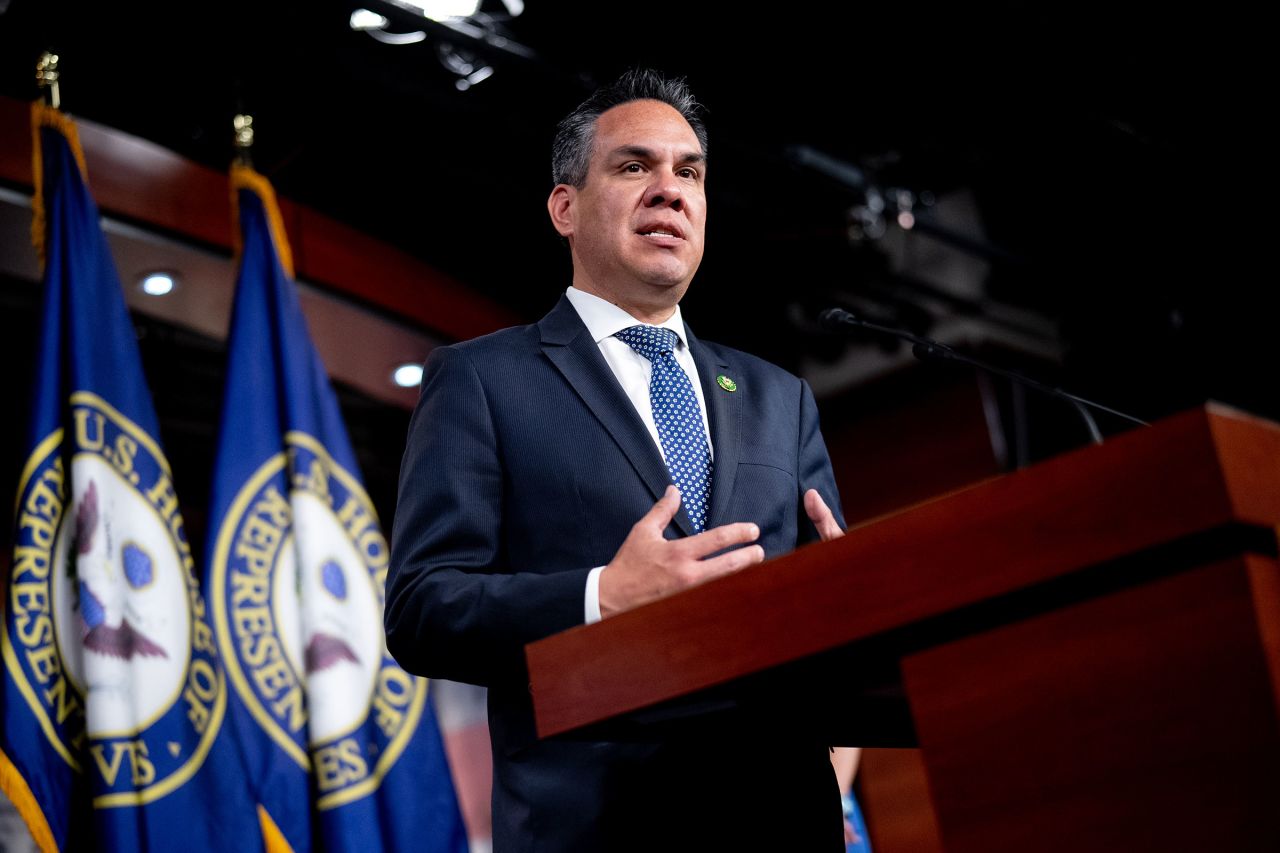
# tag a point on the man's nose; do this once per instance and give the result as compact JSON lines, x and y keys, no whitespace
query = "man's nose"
{"x":664,"y":191}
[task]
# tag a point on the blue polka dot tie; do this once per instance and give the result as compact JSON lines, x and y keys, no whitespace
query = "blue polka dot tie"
{"x":679,"y":420}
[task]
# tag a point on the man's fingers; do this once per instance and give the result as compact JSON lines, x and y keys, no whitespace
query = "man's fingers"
{"x":719,"y":538}
{"x":731,"y":562}
{"x":821,"y":516}
{"x":663,"y":511}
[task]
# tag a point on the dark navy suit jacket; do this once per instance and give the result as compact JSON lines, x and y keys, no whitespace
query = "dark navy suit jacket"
{"x":525,"y":467}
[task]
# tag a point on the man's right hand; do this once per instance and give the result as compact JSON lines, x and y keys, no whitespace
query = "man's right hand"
{"x":648,"y":566}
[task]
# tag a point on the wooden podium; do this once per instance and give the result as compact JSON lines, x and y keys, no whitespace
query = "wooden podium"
{"x":1086,"y":652}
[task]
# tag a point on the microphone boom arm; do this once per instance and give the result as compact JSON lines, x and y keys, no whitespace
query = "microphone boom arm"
{"x":925,"y":349}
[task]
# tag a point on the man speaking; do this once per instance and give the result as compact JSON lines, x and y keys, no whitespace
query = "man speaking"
{"x":601,"y":458}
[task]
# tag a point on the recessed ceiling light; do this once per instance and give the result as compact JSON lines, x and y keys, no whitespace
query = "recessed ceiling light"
{"x":408,"y":375}
{"x":158,"y":283}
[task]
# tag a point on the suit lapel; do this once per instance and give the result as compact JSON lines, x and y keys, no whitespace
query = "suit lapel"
{"x":569,"y":346}
{"x":724,"y":415}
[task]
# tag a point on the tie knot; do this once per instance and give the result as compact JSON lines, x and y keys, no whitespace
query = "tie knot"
{"x":649,"y":341}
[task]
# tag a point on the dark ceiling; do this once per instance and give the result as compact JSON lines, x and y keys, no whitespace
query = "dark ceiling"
{"x":1101,"y":150}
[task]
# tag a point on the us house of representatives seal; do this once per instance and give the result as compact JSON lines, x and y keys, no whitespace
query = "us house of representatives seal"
{"x":297,"y":593}
{"x":108,"y":640}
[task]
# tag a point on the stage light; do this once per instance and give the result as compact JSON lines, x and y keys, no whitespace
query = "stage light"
{"x":443,"y":10}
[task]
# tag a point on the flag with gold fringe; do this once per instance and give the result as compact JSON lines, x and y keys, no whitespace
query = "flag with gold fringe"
{"x":113,"y":695}
{"x":344,"y":749}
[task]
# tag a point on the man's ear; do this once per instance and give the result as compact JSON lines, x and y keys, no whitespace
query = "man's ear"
{"x":560,"y":206}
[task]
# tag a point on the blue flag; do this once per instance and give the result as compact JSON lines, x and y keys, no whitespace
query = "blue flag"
{"x":346,"y":754}
{"x":113,"y":695}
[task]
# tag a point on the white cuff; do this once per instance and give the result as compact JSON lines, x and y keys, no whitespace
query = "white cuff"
{"x":593,"y":595}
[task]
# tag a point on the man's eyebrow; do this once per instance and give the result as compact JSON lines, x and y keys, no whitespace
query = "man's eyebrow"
{"x":641,"y":153}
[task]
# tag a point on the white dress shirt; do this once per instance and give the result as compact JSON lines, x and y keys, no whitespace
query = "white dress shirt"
{"x":633,"y":371}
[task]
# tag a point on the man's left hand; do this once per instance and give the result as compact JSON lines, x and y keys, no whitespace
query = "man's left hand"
{"x":821,"y":516}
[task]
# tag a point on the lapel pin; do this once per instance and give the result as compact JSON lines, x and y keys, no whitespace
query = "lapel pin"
{"x":726,"y":383}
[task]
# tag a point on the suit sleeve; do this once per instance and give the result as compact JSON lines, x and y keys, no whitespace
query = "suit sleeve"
{"x":814,"y":467}
{"x":455,"y":608}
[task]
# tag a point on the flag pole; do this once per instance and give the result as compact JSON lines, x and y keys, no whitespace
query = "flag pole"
{"x":46,"y":111}
{"x":243,"y":124}
{"x":244,"y":176}
{"x":47,"y":79}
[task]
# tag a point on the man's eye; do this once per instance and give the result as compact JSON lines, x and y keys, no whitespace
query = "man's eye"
{"x":631,"y":167}
{"x":688,"y":173}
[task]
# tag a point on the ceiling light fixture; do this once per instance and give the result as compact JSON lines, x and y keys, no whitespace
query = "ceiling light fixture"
{"x":443,"y":10}
{"x":464,"y":37}
{"x":466,"y":66}
{"x":363,"y":20}
{"x":408,"y":375}
{"x":374,"y":25}
{"x":158,"y":283}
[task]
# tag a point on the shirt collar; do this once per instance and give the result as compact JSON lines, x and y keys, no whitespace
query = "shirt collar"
{"x":603,"y":319}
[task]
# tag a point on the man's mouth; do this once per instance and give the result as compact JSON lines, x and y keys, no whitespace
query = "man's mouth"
{"x":660,"y":230}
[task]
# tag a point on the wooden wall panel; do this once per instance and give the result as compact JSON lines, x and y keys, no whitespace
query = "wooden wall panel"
{"x":144,"y":183}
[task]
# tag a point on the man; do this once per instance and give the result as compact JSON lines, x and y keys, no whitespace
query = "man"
{"x":528,"y":489}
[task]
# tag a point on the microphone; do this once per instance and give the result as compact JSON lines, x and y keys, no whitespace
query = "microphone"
{"x":838,"y":319}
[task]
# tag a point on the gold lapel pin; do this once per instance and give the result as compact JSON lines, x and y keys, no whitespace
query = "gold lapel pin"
{"x":726,"y":383}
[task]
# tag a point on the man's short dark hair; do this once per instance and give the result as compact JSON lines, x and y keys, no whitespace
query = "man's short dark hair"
{"x":571,"y":152}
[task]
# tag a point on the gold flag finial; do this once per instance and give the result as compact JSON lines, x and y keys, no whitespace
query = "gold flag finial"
{"x":244,"y":136}
{"x":47,"y":78}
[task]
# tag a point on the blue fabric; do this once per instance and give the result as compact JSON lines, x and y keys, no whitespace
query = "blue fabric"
{"x":344,"y":752}
{"x":102,"y":566}
{"x":679,"y":420}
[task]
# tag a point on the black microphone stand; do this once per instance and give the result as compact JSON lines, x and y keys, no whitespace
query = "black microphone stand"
{"x":925,"y":349}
